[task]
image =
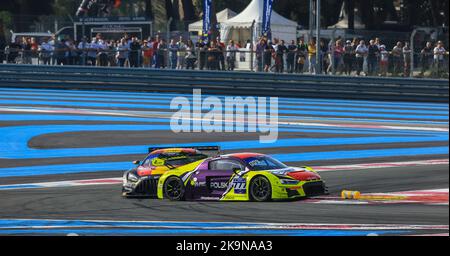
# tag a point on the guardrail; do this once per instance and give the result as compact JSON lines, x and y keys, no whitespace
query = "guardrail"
{"x":217,"y":82}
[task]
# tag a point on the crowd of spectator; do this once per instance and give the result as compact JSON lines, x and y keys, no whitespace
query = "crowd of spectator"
{"x":343,"y":57}
{"x":349,"y":57}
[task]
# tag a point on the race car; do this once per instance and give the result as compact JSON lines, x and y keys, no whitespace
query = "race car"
{"x":240,"y":177}
{"x":142,"y":180}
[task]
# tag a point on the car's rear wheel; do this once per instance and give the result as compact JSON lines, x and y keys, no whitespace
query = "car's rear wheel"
{"x":260,"y":189}
{"x":174,"y":189}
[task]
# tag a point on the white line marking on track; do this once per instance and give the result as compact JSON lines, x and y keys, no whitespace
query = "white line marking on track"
{"x":61,"y":184}
{"x":149,"y":114}
{"x":216,"y":225}
{"x":380,"y":165}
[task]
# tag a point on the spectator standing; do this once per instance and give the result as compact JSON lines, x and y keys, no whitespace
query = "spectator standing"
{"x":34,"y":47}
{"x":147,"y":54}
{"x":290,"y":59}
{"x":61,"y":50}
{"x":378,"y":44}
{"x":111,"y":52}
{"x":135,"y":51}
{"x":221,"y":56}
{"x":102,"y":56}
{"x":72,"y":52}
{"x":122,"y":53}
{"x":330,"y":54}
{"x":92,"y":52}
{"x":191,"y":55}
{"x":202,"y":47}
{"x":280,"y":51}
{"x":275,"y":45}
{"x":181,"y":54}
{"x":268,"y":52}
{"x":83,"y":48}
{"x":53,"y":40}
{"x":173,"y":54}
{"x":26,"y":50}
{"x":324,"y":57}
{"x":45,"y":52}
{"x":231,"y":55}
{"x":260,"y":54}
{"x":13,"y":50}
{"x":372,"y":58}
{"x":439,"y":52}
{"x":426,"y":57}
{"x":355,"y":43}
{"x":302,"y":52}
{"x":384,"y":60}
{"x":361,"y":53}
{"x":338,"y":56}
{"x":162,"y":53}
{"x":397,"y":52}
{"x":151,"y":45}
{"x":407,"y":60}
{"x":348,"y":57}
{"x":213,"y":56}
{"x":312,"y":56}
{"x":156,"y":61}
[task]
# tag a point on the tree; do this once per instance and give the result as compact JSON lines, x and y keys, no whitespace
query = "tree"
{"x":5,"y":25}
{"x":65,"y":7}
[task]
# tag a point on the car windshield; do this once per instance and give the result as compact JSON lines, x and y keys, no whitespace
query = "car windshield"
{"x":261,"y":163}
{"x":175,"y":160}
{"x":148,"y":161}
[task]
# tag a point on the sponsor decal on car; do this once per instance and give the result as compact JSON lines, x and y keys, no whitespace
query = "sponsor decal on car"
{"x":218,"y":185}
{"x":196,"y":183}
{"x":240,"y":185}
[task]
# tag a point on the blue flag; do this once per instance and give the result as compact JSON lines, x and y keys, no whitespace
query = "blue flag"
{"x":266,"y":17}
{"x":206,"y":17}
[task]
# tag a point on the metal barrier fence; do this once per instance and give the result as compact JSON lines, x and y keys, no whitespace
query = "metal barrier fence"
{"x":241,"y":60}
{"x":227,"y":83}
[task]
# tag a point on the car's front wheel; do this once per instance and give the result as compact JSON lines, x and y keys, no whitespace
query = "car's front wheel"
{"x":174,"y":189}
{"x":260,"y":189}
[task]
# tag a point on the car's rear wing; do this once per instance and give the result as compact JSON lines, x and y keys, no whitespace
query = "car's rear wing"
{"x":207,"y":150}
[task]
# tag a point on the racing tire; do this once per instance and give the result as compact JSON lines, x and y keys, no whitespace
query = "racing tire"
{"x":260,"y":189}
{"x":174,"y":189}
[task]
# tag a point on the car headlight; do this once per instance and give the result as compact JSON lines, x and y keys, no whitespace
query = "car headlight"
{"x":281,"y":172}
{"x":132,"y":177}
{"x":289,"y":182}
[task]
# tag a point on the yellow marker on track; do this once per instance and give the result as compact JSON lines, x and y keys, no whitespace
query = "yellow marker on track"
{"x":348,"y":194}
{"x":356,"y":195}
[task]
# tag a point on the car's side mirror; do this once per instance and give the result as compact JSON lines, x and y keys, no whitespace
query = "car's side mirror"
{"x":137,"y":162}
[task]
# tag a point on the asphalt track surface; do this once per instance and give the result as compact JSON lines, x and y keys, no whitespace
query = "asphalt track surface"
{"x":57,"y":135}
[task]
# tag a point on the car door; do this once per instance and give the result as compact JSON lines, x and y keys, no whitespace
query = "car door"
{"x":215,"y":177}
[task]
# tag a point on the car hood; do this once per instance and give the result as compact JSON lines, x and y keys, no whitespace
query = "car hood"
{"x":297,"y":173}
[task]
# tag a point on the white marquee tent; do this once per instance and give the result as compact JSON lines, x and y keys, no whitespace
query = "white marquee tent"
{"x":239,"y":28}
{"x":222,"y":16}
